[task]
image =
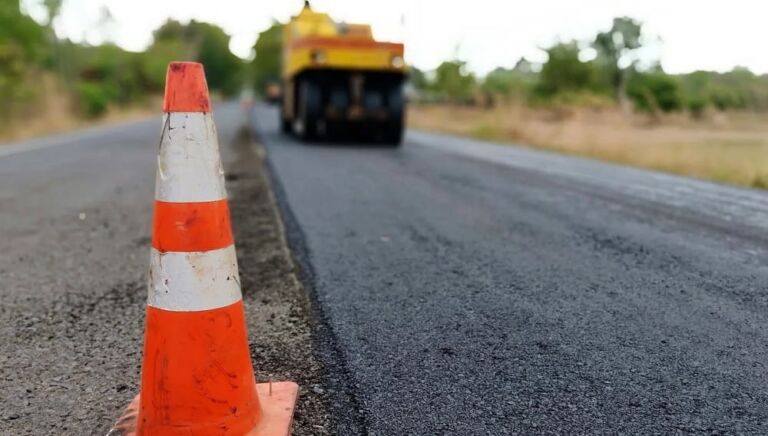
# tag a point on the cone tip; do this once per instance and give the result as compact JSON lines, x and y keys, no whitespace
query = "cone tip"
{"x":186,"y":89}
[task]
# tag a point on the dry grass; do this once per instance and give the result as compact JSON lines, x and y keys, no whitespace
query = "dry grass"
{"x":730,"y":148}
{"x":55,"y":113}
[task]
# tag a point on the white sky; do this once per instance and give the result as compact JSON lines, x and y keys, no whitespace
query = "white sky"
{"x":703,"y":34}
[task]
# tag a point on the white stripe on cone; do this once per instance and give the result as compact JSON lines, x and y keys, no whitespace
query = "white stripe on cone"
{"x":188,"y":164}
{"x":193,"y":281}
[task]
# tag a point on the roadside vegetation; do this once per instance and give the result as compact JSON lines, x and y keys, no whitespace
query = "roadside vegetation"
{"x":49,"y":84}
{"x":728,"y":148}
{"x":597,"y":99}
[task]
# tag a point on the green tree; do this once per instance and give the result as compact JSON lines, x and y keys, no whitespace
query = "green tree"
{"x":616,"y":51}
{"x":102,"y":76}
{"x":199,"y":42}
{"x":107,"y":75}
{"x":564,"y":72}
{"x":736,"y":89}
{"x":154,"y":62}
{"x":223,"y":69}
{"x":53,"y":7}
{"x":498,"y":82}
{"x":418,"y":79}
{"x":655,"y":91}
{"x":454,"y":81}
{"x":266,"y":64}
{"x":510,"y":83}
{"x":22,"y":50}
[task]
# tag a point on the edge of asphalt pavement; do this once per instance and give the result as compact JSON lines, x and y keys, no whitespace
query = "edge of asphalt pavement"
{"x":347,"y":413}
{"x":283,"y":330}
{"x":49,"y":140}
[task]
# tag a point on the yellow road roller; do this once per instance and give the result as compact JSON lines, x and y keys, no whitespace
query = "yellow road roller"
{"x":337,"y":81}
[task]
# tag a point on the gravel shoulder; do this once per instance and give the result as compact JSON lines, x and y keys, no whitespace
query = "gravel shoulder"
{"x":76,"y":232}
{"x":280,"y":321}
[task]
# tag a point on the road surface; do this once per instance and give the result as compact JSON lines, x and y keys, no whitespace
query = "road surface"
{"x":75,"y":225}
{"x":462,"y":287}
{"x":471,"y":288}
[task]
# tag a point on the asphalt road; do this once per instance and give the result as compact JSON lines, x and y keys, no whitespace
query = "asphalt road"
{"x":471,"y":288}
{"x":75,"y":211}
{"x":462,"y":287}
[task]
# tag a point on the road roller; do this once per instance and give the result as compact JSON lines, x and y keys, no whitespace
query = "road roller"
{"x":338,"y":81}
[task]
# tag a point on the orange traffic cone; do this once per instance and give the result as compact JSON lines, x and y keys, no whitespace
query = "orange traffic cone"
{"x":197,"y":377}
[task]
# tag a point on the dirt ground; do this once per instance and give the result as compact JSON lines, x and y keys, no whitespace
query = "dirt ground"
{"x":724,"y":147}
{"x":278,"y":310}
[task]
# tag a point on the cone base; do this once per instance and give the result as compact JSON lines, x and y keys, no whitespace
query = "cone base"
{"x":277,"y":408}
{"x":278,"y":401}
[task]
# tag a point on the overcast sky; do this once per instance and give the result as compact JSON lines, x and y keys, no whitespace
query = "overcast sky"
{"x":712,"y":35}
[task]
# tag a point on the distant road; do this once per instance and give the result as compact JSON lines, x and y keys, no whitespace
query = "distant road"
{"x":477,"y":289}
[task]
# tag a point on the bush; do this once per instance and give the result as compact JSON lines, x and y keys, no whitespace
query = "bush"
{"x":564,"y":72}
{"x":696,"y":106}
{"x":655,"y":91}
{"x":93,"y":99}
{"x":266,"y":65}
{"x":454,"y":82}
{"x":507,"y":84}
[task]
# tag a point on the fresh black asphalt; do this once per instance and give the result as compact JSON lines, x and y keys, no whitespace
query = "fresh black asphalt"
{"x":476,"y":289}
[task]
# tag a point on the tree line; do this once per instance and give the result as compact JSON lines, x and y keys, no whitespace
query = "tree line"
{"x":603,"y":71}
{"x":612,"y":76}
{"x":96,"y":77}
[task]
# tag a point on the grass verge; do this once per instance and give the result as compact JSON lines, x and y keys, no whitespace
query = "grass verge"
{"x":56,"y":113}
{"x":728,"y":148}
